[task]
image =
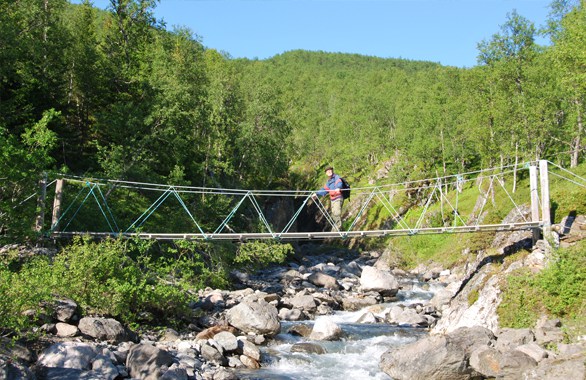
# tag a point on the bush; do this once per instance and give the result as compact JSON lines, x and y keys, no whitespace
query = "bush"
{"x":559,"y":290}
{"x":257,"y":254}
{"x":118,"y":278}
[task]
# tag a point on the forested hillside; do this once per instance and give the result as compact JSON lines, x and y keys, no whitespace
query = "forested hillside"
{"x":117,"y":94}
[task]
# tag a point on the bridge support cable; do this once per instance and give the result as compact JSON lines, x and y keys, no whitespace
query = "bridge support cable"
{"x":149,"y":211}
{"x":501,"y":182}
{"x":260,"y":214}
{"x":224,"y":223}
{"x":484,"y":202}
{"x":434,"y":196}
{"x":424,"y":211}
{"x":364,"y":205}
{"x":56,"y":225}
{"x":387,"y":204}
{"x":182,"y":203}
{"x":107,"y":208}
{"x":328,"y":217}
{"x":294,"y":218}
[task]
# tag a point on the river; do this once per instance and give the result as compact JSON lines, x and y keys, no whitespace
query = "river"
{"x":355,"y":356}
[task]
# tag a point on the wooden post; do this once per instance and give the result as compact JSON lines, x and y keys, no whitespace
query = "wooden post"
{"x":57,"y":204}
{"x":41,"y":203}
{"x":545,"y":210}
{"x":534,"y":200}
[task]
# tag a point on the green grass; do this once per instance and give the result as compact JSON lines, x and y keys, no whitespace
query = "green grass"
{"x":447,"y":249}
{"x":557,"y":291}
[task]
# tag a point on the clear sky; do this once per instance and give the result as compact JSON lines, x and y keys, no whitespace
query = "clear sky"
{"x":444,"y":31}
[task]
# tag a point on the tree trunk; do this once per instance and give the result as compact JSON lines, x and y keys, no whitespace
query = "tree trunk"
{"x":578,"y":139}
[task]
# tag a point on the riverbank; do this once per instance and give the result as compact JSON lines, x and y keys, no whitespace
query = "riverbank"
{"x":325,"y":311}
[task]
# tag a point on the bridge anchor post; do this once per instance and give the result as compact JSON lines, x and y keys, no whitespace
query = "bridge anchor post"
{"x":545,"y":208}
{"x":534,"y":201}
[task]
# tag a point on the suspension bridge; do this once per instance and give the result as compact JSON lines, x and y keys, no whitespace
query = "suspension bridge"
{"x":461,"y":203}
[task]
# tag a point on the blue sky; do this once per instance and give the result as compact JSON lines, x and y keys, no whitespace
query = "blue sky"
{"x":444,"y":31}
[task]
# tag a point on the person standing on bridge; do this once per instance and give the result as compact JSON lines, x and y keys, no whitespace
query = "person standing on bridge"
{"x":333,"y":187}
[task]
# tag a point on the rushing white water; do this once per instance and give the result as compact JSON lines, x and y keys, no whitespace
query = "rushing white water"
{"x":355,"y":356}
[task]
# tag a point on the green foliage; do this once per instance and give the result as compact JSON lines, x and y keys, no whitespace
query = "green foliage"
{"x":118,"y":278}
{"x":258,"y":254}
{"x":559,"y":290}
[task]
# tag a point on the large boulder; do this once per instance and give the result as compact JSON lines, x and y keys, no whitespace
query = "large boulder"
{"x":325,"y":329}
{"x":323,"y":280}
{"x":74,"y":360}
{"x":376,"y":280}
{"x":144,"y":362}
{"x":105,"y":329}
{"x":441,"y":357}
{"x":490,"y":362}
{"x":255,"y":317}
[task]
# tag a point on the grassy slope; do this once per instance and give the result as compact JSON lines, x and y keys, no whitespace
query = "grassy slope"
{"x":558,"y":291}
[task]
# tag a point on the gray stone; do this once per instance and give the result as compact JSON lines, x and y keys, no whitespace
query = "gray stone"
{"x":323,"y":280}
{"x":572,"y":367}
{"x":383,"y":282}
{"x":308,"y":348}
{"x":357,"y":302}
{"x":227,"y":340}
{"x":548,"y":331}
{"x":255,"y":317}
{"x":491,"y":362}
{"x":533,"y":350}
{"x":248,"y":348}
{"x":69,"y":355}
{"x":290,"y":314}
{"x":249,"y":362}
{"x":105,"y":329}
{"x":65,"y":330}
{"x":211,"y":354}
{"x":436,"y":357}
{"x":65,"y":310}
{"x":508,"y":339}
{"x":325,"y":329}
{"x":144,"y":361}
{"x":304,"y":302}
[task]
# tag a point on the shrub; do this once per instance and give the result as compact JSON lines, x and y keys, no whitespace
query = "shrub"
{"x":257,"y":254}
{"x":559,"y":290}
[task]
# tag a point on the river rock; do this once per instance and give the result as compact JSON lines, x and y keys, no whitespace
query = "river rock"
{"x":325,"y":329}
{"x":304,"y":302}
{"x":571,"y":367}
{"x":70,"y":355}
{"x":248,"y":348}
{"x":491,"y":362}
{"x":383,"y":282}
{"x":13,"y":369}
{"x":308,"y":348}
{"x":227,"y":340}
{"x":548,"y":331}
{"x":144,"y":361}
{"x":255,"y":317}
{"x":105,"y":329}
{"x":65,"y":330}
{"x":286,"y":314}
{"x":323,"y":280}
{"x":436,"y":357}
{"x":65,"y":310}
{"x":508,"y":338}
{"x":533,"y":350}
{"x":358,"y":302}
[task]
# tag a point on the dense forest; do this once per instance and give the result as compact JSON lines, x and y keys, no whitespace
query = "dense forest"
{"x":115,"y":94}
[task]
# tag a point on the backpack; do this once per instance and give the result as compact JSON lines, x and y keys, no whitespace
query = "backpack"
{"x":345,"y":189}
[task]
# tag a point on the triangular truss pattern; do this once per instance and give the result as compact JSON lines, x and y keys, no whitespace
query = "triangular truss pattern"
{"x":438,"y":209}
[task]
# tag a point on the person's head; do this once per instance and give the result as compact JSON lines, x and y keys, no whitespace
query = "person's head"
{"x":329,"y":171}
